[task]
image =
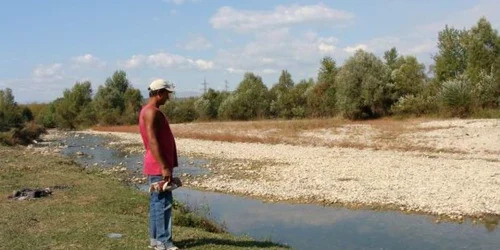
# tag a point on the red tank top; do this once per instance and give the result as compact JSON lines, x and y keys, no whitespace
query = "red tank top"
{"x":166,"y":142}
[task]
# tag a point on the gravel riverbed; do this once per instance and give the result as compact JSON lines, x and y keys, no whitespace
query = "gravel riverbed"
{"x":462,"y":180}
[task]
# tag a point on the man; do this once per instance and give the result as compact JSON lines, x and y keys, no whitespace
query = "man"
{"x":159,"y":162}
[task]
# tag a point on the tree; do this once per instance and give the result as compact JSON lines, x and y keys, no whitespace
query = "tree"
{"x":483,"y":49}
{"x":46,"y":116}
{"x":391,"y":57}
{"x":208,"y":104}
{"x":112,"y":99}
{"x":408,"y":77}
{"x":451,"y":59}
{"x":180,"y":110}
{"x":27,"y":114}
{"x":362,"y":85}
{"x":69,"y":111}
{"x":133,"y":102}
{"x":299,"y":96}
{"x":486,"y":91}
{"x":321,"y":100}
{"x":250,"y":100}
{"x":10,"y":112}
{"x":281,"y":99}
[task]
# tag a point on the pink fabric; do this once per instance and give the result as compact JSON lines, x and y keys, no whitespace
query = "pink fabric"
{"x":166,"y":141}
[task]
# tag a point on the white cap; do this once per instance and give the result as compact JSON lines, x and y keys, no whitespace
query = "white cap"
{"x":161,"y":84}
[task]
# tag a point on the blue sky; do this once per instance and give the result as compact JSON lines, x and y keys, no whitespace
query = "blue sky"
{"x":49,"y":45}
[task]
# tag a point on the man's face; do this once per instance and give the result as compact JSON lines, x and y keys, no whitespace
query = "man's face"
{"x":164,"y":97}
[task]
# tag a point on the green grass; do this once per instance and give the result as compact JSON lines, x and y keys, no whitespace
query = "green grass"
{"x":92,"y":206}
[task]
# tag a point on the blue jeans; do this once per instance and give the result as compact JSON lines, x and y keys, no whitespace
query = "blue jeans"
{"x":160,"y":215}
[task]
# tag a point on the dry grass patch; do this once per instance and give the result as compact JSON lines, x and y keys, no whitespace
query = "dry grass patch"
{"x":379,"y":134}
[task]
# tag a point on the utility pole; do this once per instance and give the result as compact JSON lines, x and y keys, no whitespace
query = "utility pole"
{"x":226,"y":87}
{"x":205,"y":85}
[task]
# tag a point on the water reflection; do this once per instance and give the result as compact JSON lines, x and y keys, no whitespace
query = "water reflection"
{"x":316,"y":227}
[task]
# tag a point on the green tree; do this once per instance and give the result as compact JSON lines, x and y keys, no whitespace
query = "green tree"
{"x":68,"y":111}
{"x":180,"y":110}
{"x":10,"y":112}
{"x":451,"y":59}
{"x":321,"y":100}
{"x":391,"y":57}
{"x":483,"y":49}
{"x":207,"y":106}
{"x":362,"y":85}
{"x":299,"y":96}
{"x":249,"y":101}
{"x":133,"y":102}
{"x":112,"y":100}
{"x":46,"y":116}
{"x":282,"y":101}
{"x":408,"y":77}
{"x":26,"y":114}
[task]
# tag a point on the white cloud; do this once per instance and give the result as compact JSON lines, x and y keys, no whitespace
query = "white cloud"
{"x":166,"y":60}
{"x":242,"y":20}
{"x":134,"y":62}
{"x":324,"y":47}
{"x":88,"y":60}
{"x":279,"y":49}
{"x":268,"y":71}
{"x":352,"y":49}
{"x":197,"y":43}
{"x":202,"y":64}
{"x":235,"y":71}
{"x":48,"y":73}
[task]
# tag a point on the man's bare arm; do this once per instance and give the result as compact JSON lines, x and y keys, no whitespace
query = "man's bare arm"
{"x":153,"y":119}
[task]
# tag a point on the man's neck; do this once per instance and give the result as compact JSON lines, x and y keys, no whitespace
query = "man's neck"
{"x":153,"y":102}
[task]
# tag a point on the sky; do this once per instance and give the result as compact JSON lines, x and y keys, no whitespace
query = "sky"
{"x":48,"y":46}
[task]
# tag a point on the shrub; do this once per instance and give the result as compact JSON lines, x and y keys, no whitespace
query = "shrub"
{"x":22,"y":136}
{"x":180,"y":110}
{"x":414,"y":105}
{"x":456,"y":96}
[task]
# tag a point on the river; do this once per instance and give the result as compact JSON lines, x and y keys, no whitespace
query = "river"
{"x":301,"y":226}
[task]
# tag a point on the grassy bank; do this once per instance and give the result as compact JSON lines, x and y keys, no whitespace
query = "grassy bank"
{"x":85,"y":208}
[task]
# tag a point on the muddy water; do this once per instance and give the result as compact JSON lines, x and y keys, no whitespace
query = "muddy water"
{"x":302,"y":226}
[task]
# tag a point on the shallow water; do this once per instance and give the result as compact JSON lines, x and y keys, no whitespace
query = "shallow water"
{"x":303,"y":226}
{"x":96,"y":153}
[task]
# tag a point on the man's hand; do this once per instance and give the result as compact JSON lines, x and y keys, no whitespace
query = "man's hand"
{"x":167,"y":174}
